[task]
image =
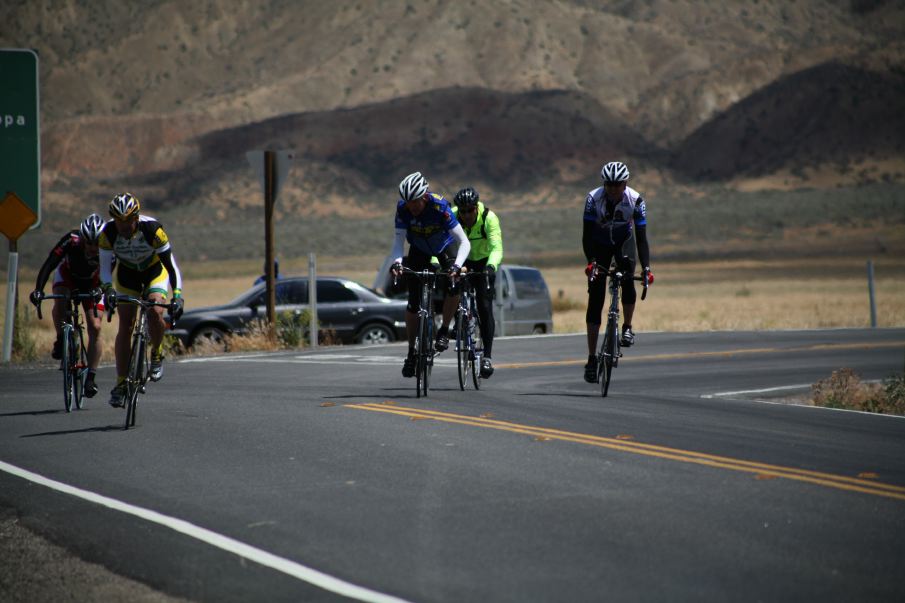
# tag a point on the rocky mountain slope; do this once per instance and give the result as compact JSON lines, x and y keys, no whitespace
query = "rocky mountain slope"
{"x":523,"y":98}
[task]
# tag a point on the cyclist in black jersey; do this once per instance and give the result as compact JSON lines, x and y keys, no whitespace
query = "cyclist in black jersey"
{"x":144,"y":263}
{"x":75,"y":265}
{"x":615,"y":221}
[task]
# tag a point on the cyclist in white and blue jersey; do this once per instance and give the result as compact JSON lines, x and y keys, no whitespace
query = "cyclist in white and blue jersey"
{"x":615,"y":221}
{"x":427,"y":222}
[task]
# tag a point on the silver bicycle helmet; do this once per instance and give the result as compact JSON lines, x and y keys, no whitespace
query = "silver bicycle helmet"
{"x":91,"y":228}
{"x":412,"y":187}
{"x":614,"y":171}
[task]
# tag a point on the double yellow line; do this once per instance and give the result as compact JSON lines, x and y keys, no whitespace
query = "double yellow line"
{"x":624,"y":443}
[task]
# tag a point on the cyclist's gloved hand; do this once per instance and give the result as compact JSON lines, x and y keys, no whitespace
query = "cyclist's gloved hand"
{"x":97,"y":293}
{"x":396,"y":269}
{"x":178,"y":305}
{"x":109,"y":297}
{"x":36,"y":296}
{"x":489,"y":269}
{"x":591,"y":269}
{"x":649,"y":275}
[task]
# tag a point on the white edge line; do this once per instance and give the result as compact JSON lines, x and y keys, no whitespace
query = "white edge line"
{"x":756,"y":391}
{"x":291,"y":568}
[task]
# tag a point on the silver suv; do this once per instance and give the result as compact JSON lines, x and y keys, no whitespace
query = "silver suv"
{"x":523,"y":304}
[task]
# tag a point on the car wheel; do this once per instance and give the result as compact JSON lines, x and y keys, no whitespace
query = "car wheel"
{"x":539,"y":329}
{"x":209,"y":335}
{"x":374,"y":334}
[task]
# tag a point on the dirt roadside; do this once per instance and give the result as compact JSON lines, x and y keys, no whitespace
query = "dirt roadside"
{"x":32,"y":570}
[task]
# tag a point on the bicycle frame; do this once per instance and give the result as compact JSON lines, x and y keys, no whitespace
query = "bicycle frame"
{"x":424,"y":339}
{"x":611,"y":347}
{"x":74,"y":363}
{"x":140,"y":353}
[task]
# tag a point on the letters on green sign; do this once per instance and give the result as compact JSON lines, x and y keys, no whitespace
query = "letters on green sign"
{"x":10,"y":120}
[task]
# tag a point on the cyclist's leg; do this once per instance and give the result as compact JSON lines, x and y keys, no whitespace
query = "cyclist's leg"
{"x":157,"y":287}
{"x":415,"y":260}
{"x":447,"y":257}
{"x":596,"y":299}
{"x":62,"y":284}
{"x":126,"y":282}
{"x":629,"y":294}
{"x":94,"y":348}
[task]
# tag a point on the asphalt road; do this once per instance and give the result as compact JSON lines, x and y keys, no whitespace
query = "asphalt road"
{"x":319,"y":475}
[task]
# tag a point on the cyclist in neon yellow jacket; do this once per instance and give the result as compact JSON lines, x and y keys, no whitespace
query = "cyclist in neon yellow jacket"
{"x":482,"y":227}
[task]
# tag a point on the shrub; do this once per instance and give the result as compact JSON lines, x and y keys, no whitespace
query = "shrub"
{"x":844,"y":389}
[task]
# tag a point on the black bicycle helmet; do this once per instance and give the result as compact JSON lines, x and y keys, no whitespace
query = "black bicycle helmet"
{"x":466,"y":198}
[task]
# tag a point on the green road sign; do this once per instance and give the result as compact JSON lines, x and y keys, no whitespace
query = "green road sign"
{"x":20,"y":129}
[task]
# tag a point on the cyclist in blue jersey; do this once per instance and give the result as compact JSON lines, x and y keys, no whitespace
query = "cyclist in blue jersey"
{"x":615,"y":218}
{"x":427,"y":222}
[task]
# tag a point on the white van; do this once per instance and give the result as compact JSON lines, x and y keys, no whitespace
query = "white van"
{"x":522,"y":306}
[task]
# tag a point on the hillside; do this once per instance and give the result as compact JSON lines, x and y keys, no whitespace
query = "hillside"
{"x":524,"y":99}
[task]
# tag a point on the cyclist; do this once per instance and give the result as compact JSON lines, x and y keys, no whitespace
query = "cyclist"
{"x":482,"y":227}
{"x":426,"y":220}
{"x":144,"y":262}
{"x":615,"y":217}
{"x":74,"y":261}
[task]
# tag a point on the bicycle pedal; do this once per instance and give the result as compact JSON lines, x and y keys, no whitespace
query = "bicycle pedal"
{"x":141,"y":389}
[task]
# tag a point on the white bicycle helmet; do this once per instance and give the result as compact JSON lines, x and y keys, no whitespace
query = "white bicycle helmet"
{"x":412,"y":187}
{"x":91,"y":228}
{"x":124,"y":206}
{"x":614,"y":171}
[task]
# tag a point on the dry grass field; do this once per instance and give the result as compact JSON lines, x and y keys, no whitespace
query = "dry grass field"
{"x":687,"y":296}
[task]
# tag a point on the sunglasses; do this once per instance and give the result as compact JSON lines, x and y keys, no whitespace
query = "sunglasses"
{"x":468,"y":210}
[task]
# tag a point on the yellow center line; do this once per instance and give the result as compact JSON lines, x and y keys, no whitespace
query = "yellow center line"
{"x":723,"y":353}
{"x":841,"y":482}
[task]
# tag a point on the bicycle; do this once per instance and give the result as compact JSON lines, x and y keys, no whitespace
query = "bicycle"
{"x":611,"y":348}
{"x":140,"y":351}
{"x":424,"y":339}
{"x":468,"y":324}
{"x":74,"y":362}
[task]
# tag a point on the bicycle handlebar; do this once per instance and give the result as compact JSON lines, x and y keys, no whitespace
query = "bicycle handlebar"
{"x":69,"y":297}
{"x":615,"y":273}
{"x":463,"y":274}
{"x":143,"y":303}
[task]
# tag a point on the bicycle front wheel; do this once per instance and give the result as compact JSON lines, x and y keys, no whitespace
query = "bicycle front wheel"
{"x":134,"y":379}
{"x":428,"y":354}
{"x":80,"y":369}
{"x":66,"y":366}
{"x":463,"y":349}
{"x":609,"y":355}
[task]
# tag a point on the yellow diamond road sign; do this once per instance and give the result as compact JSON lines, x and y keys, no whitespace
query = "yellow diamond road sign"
{"x":15,"y":216}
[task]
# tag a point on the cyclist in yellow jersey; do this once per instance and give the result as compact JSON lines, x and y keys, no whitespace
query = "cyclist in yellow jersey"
{"x":482,"y":227}
{"x":144,"y":263}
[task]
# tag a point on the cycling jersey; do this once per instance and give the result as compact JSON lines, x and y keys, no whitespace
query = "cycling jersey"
{"x":431,"y":231}
{"x":613,"y":221}
{"x":485,"y":236}
{"x":78,"y":269}
{"x":139,"y":256}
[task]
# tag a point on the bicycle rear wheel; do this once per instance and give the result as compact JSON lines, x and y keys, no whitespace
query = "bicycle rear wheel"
{"x":66,"y":366}
{"x":463,"y":348}
{"x":476,"y":354}
{"x":609,"y":355}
